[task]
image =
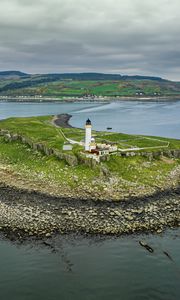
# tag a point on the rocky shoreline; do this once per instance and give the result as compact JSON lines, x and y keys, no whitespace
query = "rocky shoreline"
{"x":34,"y":214}
{"x":62,"y":120}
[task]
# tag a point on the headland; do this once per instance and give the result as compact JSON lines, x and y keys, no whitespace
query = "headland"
{"x":44,"y":192}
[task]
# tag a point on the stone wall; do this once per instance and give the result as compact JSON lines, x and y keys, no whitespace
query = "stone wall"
{"x":151,"y":155}
{"x":88,"y":161}
{"x":69,"y":159}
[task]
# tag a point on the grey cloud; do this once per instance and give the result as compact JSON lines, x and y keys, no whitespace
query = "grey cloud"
{"x":121,"y":36}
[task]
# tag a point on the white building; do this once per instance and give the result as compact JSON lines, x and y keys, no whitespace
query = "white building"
{"x":88,"y":135}
{"x":96,"y":148}
{"x":67,"y":147}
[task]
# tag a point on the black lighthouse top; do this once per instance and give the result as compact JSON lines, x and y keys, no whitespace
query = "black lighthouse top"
{"x":88,"y":122}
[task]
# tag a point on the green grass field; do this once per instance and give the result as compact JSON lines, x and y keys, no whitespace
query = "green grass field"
{"x":37,"y":85}
{"x":23,"y":165}
{"x":38,"y":129}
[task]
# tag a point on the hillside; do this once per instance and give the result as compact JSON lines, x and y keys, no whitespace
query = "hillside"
{"x":80,"y":85}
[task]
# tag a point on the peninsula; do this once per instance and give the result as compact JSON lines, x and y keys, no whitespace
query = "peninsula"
{"x":51,"y":184}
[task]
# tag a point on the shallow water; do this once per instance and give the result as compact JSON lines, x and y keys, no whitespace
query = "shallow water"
{"x":136,"y":117}
{"x":85,"y":268}
{"x":92,"y":268}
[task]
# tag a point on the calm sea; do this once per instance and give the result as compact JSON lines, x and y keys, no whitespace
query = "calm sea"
{"x":93,"y":268}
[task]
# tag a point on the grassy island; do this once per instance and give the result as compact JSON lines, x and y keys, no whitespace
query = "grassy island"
{"x":136,"y":180}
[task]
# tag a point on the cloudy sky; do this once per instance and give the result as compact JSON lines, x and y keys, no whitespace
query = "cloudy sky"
{"x":112,"y":36}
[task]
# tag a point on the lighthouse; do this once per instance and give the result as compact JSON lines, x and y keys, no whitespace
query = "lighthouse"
{"x":88,"y":129}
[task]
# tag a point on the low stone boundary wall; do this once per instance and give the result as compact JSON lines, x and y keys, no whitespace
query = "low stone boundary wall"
{"x":9,"y":137}
{"x":155,"y":154}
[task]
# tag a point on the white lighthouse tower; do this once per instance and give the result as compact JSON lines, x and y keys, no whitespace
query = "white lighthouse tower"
{"x":88,"y":129}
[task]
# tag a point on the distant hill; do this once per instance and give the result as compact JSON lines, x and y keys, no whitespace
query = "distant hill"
{"x":11,"y":74}
{"x":98,"y":76}
{"x":16,"y":83}
{"x":78,"y":76}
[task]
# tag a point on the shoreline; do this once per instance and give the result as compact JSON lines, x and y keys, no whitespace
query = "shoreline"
{"x":62,"y":120}
{"x":26,"y":99}
{"x":25,"y":213}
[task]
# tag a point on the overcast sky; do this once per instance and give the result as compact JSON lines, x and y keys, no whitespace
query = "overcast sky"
{"x":112,"y":36}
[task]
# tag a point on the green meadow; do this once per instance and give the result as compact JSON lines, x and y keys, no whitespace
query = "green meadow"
{"x":50,"y":174}
{"x":38,"y":85}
